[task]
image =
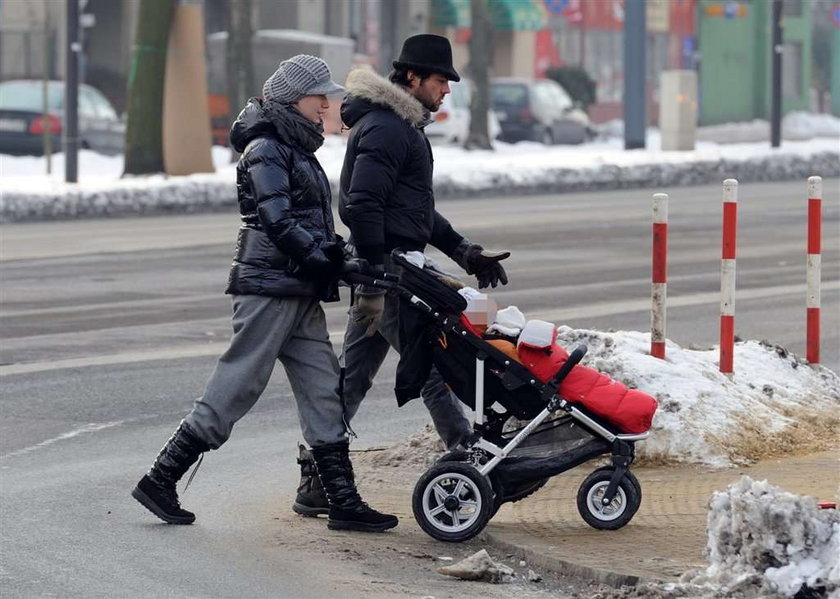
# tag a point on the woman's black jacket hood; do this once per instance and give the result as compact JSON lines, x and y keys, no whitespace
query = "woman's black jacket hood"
{"x":250,"y":124}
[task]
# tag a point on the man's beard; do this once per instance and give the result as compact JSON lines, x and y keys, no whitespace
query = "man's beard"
{"x":428,"y":103}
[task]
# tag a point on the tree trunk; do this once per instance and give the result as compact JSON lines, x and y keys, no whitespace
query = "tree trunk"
{"x":143,"y":145}
{"x":240,"y":61}
{"x":480,"y":50}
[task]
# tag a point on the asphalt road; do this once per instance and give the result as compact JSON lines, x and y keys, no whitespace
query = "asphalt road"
{"x":111,"y":327}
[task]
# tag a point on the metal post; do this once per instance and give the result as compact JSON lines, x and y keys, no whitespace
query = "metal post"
{"x":776,"y":81}
{"x":635,"y":113}
{"x":813,"y":272}
{"x":727,"y":275}
{"x":45,"y":77}
{"x":71,"y":94}
{"x":659,"y":275}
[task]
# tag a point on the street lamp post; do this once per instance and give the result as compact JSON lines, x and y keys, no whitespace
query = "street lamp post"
{"x":71,"y":94}
{"x":776,"y":92}
{"x":635,"y":113}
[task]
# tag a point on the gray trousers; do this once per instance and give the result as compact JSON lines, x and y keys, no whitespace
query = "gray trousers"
{"x":266,"y":329}
{"x":363,"y":356}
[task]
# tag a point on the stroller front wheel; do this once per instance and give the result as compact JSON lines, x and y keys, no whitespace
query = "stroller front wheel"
{"x":619,"y":511}
{"x":452,"y":501}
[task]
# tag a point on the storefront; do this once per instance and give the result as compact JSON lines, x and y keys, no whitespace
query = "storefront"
{"x":515,"y":23}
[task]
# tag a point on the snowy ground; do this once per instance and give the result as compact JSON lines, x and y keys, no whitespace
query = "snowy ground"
{"x":812,"y":147}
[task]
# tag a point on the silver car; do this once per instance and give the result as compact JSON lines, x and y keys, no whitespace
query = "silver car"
{"x":23,"y":122}
{"x":538,"y":110}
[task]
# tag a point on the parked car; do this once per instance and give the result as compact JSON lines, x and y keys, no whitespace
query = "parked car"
{"x":538,"y":110}
{"x":22,"y":121}
{"x":452,"y":120}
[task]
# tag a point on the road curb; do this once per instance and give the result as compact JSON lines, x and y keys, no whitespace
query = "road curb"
{"x":564,"y":567}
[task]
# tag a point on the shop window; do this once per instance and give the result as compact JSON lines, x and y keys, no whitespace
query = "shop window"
{"x":792,"y":8}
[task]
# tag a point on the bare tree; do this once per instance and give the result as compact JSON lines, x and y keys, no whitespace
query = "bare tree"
{"x":240,"y":61}
{"x":479,"y":69}
{"x":143,"y":138}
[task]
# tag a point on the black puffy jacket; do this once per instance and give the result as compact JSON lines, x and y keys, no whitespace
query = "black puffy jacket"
{"x":386,"y":197}
{"x":284,"y":201}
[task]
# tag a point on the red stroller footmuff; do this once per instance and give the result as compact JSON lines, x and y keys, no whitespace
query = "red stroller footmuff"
{"x":630,"y":410}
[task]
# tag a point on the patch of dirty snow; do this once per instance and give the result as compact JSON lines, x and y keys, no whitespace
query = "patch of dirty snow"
{"x":763,"y":543}
{"x":479,"y":566}
{"x":420,"y":449}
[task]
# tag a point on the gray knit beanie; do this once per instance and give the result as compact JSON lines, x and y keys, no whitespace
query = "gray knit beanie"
{"x":300,"y":76}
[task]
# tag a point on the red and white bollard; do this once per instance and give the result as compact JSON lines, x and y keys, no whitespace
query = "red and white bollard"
{"x":659,"y":274}
{"x":812,"y":303}
{"x":727,"y":275}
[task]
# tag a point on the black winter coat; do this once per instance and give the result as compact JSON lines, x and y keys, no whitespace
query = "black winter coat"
{"x":386,"y":196}
{"x":284,"y":201}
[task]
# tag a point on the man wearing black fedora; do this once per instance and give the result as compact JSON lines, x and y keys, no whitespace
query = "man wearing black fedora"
{"x":387,"y":201}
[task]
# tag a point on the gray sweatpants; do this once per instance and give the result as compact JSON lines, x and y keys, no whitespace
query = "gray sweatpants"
{"x":363,"y":356}
{"x":266,"y":329}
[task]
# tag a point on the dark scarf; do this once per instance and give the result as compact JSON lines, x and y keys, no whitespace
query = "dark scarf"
{"x":293,"y":127}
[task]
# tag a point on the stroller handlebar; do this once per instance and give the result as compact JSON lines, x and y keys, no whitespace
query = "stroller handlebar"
{"x":381,"y":280}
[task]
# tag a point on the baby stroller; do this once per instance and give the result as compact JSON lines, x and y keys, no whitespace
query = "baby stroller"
{"x":524,"y":432}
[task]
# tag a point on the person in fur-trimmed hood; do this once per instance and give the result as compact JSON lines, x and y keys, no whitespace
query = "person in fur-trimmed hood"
{"x":387,"y":201}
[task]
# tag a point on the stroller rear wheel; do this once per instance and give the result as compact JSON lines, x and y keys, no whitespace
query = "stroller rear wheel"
{"x":452,"y":501}
{"x":619,"y":511}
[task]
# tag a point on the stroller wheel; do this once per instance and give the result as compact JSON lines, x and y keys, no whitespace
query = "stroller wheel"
{"x":630,"y":476}
{"x":619,"y":511}
{"x":452,"y":501}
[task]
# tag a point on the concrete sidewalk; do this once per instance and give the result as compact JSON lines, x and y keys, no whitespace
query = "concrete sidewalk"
{"x":666,"y":538}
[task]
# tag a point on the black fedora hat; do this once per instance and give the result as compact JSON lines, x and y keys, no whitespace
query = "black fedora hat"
{"x":428,"y":52}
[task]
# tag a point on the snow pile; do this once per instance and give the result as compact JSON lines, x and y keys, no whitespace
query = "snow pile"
{"x":806,"y":125}
{"x":761,"y":536}
{"x":420,"y":450}
{"x":533,"y":167}
{"x":795,"y":126}
{"x":772,"y":404}
{"x":27,"y":193}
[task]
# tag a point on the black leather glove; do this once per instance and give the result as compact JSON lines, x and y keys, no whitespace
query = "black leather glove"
{"x":319,"y":266}
{"x":484,"y":264}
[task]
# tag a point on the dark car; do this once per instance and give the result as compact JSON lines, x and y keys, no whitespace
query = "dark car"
{"x":537,"y":110}
{"x":22,"y":120}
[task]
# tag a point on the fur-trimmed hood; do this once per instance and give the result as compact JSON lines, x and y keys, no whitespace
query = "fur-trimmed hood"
{"x":367,"y":91}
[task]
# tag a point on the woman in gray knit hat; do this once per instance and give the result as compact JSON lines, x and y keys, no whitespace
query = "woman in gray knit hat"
{"x":288,"y":259}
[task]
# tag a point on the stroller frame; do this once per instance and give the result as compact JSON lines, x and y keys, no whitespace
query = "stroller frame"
{"x":457,"y":496}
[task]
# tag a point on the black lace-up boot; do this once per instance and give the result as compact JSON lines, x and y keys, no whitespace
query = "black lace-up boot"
{"x":347,"y":510}
{"x":157,"y":489}
{"x":311,"y":498}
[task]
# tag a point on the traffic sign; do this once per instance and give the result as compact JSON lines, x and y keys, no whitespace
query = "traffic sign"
{"x":556,"y":6}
